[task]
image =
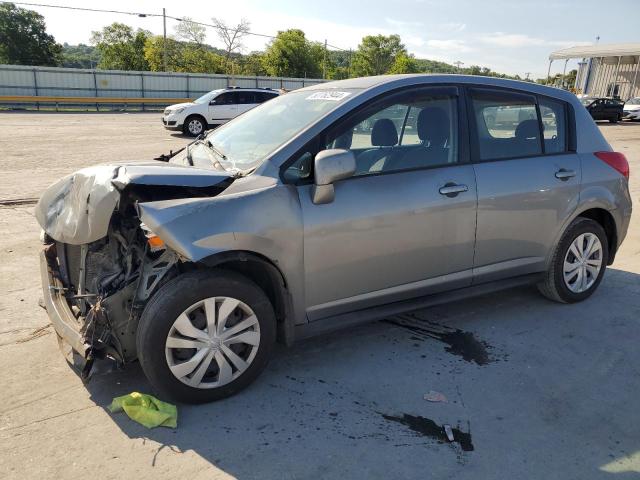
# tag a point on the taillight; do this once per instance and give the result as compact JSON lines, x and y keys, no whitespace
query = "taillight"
{"x":616,"y":160}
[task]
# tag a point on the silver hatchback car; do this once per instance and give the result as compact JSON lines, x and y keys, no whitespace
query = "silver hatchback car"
{"x":328,"y":206}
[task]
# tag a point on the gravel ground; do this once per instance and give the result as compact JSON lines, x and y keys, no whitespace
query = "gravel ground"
{"x":535,"y":390}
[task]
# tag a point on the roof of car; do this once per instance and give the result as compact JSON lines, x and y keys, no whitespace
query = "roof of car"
{"x":390,"y":81}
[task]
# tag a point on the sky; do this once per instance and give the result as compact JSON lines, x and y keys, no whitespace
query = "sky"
{"x":508,"y":36}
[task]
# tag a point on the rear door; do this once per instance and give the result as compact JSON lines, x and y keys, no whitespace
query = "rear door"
{"x":527,"y":178}
{"x":246,"y":100}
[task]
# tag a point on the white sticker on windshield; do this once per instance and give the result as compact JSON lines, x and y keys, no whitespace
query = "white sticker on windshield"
{"x":328,"y":95}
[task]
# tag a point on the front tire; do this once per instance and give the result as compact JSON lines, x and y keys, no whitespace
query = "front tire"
{"x":578,"y":263}
{"x":194,"y":125}
{"x":205,"y":335}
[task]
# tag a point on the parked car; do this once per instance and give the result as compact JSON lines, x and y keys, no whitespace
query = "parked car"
{"x":213,"y":109}
{"x":603,"y":108}
{"x":631,"y":109}
{"x":292,"y":220}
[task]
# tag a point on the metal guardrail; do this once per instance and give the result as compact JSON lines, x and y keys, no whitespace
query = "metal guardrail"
{"x":56,"y":102}
{"x":52,"y":85}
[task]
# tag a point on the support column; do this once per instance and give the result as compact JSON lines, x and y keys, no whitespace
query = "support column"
{"x":635,"y":77}
{"x":564,"y":71}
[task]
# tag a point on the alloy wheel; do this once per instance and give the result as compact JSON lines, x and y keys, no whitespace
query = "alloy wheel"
{"x":582,"y":262}
{"x":195,"y":126}
{"x":212,"y":342}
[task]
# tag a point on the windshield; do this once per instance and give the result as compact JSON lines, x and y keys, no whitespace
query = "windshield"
{"x":634,"y":101}
{"x":206,"y":98}
{"x":249,"y":139}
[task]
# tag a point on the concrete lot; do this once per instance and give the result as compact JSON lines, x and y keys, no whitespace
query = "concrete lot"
{"x":537,"y":390}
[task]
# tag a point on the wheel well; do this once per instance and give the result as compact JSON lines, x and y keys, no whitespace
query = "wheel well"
{"x":605,"y":219}
{"x":267,"y":276}
{"x":204,"y":120}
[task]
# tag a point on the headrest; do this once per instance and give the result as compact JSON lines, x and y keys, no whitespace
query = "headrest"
{"x":528,"y":130}
{"x":344,"y":141}
{"x":384,"y":133}
{"x":433,"y":126}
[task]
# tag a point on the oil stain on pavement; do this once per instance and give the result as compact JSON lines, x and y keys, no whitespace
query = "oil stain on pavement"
{"x":428,"y":428}
{"x":459,"y":342}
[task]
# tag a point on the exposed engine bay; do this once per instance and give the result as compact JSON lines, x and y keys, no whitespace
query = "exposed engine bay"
{"x":104,"y":261}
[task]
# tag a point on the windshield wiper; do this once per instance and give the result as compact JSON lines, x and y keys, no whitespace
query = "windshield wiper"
{"x":189,"y":159}
{"x":217,"y":151}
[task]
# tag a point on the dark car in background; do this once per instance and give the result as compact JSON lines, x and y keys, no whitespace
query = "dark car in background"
{"x":603,"y":108}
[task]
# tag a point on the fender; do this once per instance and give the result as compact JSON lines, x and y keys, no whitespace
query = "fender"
{"x":255,"y":214}
{"x":591,"y":198}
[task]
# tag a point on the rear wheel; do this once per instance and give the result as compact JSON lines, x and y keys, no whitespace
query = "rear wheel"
{"x":206,"y":335}
{"x":578,"y":263}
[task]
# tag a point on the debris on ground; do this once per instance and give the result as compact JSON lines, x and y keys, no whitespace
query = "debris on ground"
{"x":449,"y":432}
{"x":146,"y":409}
{"x":436,"y":397}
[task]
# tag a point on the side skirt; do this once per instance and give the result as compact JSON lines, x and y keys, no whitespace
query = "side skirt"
{"x":345,"y":320}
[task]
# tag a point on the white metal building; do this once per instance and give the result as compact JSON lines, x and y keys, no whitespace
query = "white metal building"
{"x":604,"y":70}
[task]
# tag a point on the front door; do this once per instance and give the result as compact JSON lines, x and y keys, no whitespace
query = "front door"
{"x":528,"y":183}
{"x":404,"y":225}
{"x":223,"y":108}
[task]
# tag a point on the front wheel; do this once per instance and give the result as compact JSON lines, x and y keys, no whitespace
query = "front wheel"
{"x":206,"y":335}
{"x":194,"y":125}
{"x":578,"y":263}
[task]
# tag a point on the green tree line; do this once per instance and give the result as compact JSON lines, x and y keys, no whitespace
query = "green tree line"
{"x":24,"y":41}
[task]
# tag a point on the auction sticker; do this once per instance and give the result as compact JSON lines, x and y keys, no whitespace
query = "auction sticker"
{"x":328,"y":95}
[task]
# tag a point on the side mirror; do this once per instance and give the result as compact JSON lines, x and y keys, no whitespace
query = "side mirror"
{"x":330,"y":166}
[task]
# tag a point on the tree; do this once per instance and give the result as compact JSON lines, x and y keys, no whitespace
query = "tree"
{"x":376,"y":54}
{"x":404,"y":63}
{"x":23,"y":38}
{"x":191,"y":32}
{"x":290,"y":54}
{"x":231,"y":36}
{"x":120,"y":47}
{"x":252,"y":64}
{"x":181,"y":56}
{"x":79,"y":56}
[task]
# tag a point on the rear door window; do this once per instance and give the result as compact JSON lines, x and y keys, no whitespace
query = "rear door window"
{"x":554,"y":125}
{"x":507,"y":124}
{"x":244,"y":98}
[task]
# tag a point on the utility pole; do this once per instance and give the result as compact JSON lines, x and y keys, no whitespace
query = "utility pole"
{"x":526,"y":75}
{"x":349,"y":69}
{"x":324,"y":61}
{"x":164,"y":41}
{"x":458,"y":64}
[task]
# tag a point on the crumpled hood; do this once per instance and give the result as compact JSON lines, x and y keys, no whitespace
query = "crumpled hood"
{"x":77,"y":209}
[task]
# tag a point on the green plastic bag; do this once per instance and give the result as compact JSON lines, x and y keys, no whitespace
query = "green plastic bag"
{"x":146,"y":410}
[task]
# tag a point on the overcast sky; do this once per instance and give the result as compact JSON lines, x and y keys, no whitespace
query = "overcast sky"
{"x":510,"y":36}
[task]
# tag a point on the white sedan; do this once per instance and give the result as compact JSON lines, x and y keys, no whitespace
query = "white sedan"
{"x":213,"y":109}
{"x":631,"y":109}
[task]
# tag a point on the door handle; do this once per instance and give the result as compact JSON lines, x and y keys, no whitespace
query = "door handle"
{"x":563,"y":174}
{"x":452,"y":189}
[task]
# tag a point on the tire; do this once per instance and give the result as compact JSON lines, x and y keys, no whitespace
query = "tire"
{"x":167,"y":308}
{"x":194,"y":125}
{"x":554,"y":286}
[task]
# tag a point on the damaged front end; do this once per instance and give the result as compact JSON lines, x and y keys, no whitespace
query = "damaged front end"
{"x":100,"y":264}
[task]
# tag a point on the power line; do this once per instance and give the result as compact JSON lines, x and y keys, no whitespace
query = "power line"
{"x":86,"y":9}
{"x":145,"y":14}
